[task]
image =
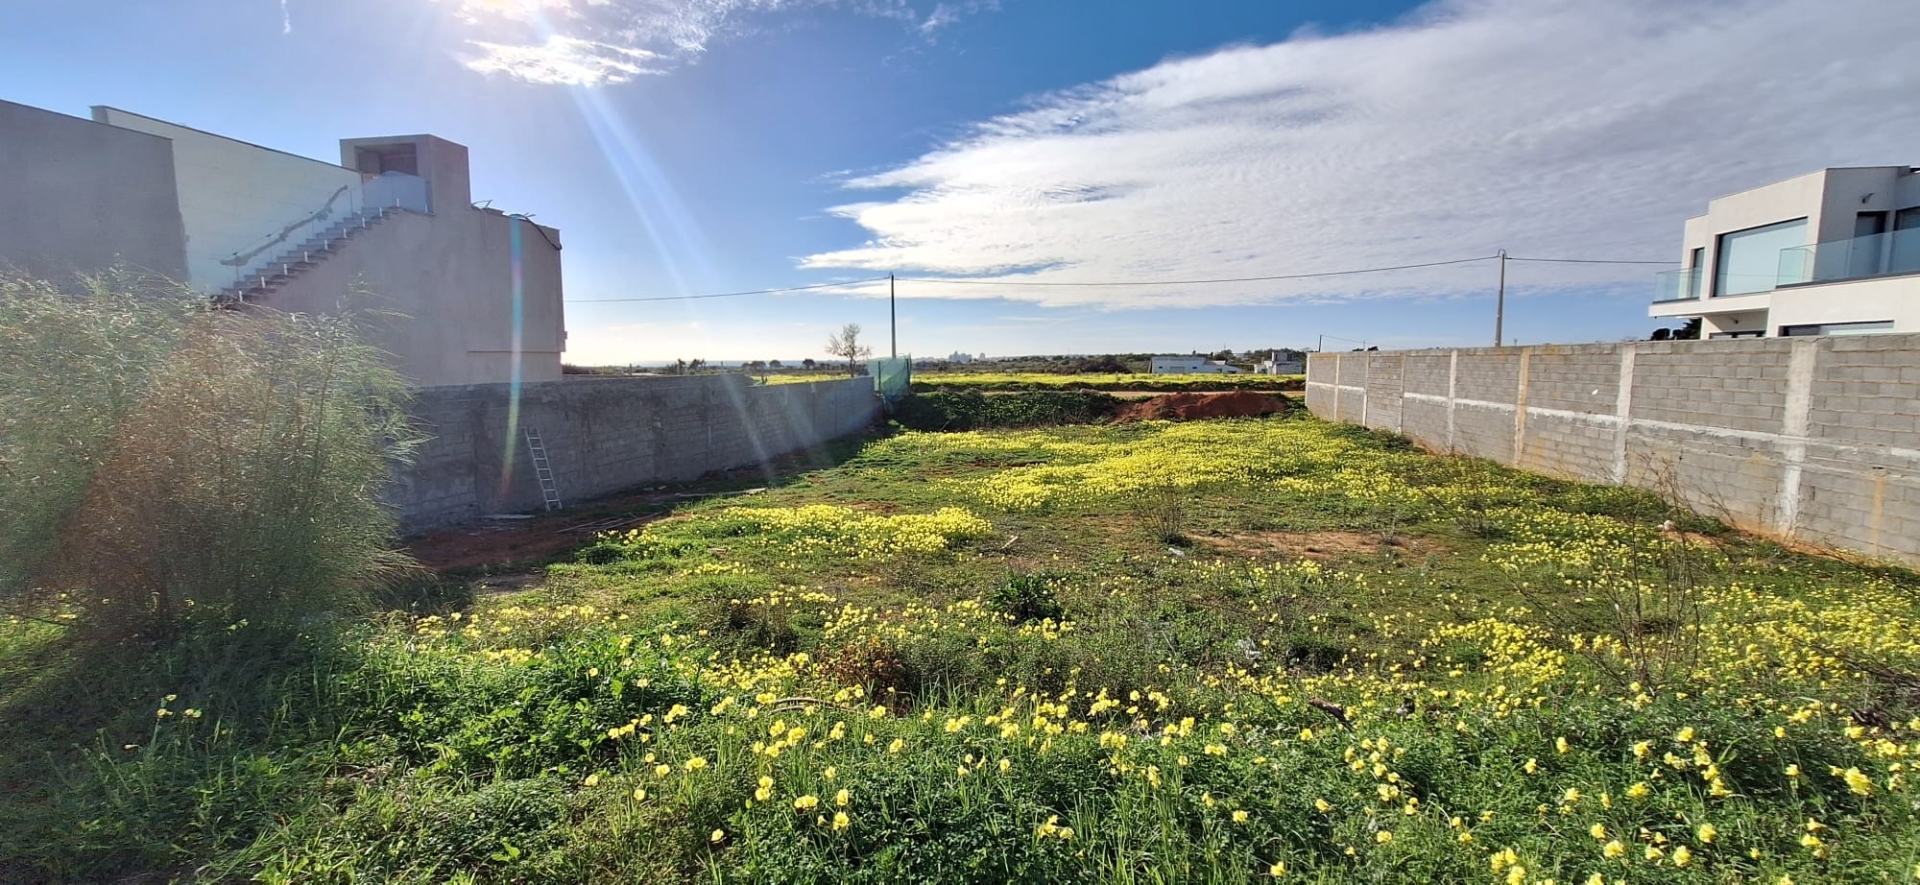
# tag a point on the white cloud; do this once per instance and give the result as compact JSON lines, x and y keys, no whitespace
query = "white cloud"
{"x":595,"y":42}
{"x":1554,"y":128}
{"x":564,"y":61}
{"x":941,"y":16}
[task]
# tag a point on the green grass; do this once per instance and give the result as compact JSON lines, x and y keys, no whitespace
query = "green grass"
{"x":1107,"y":653}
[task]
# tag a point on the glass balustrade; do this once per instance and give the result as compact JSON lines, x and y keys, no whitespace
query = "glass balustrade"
{"x":1677,"y":285}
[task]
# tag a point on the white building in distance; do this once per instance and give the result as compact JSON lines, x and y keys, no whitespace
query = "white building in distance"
{"x":1833,"y":252}
{"x":1191,"y":365}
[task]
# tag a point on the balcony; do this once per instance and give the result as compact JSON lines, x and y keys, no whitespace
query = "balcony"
{"x":1676,"y":285}
{"x":1876,"y":255}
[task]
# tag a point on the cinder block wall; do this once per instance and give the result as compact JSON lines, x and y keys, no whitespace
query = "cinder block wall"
{"x":1814,"y":440}
{"x":607,"y":435}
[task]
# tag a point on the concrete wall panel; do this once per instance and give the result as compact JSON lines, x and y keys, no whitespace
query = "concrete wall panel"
{"x":81,"y":197}
{"x":1815,"y":440}
{"x":606,"y":435}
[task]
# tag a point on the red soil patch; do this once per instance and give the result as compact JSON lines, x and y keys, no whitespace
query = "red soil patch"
{"x":1195,"y":406}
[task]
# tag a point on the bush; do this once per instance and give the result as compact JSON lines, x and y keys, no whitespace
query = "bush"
{"x":972,"y":410}
{"x":169,"y":462}
{"x":1028,"y":598}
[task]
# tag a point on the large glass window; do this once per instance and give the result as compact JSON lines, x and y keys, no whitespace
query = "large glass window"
{"x":1906,"y":242}
{"x":1749,"y":261}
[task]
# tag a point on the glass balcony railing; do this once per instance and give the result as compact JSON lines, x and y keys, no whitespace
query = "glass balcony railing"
{"x":1676,"y":285}
{"x":1875,"y":255}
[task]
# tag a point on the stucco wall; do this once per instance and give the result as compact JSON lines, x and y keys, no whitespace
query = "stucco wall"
{"x":608,"y":435}
{"x":81,"y":197}
{"x":1883,"y":298}
{"x":1810,"y":439}
{"x":450,"y":277}
{"x":233,"y":195}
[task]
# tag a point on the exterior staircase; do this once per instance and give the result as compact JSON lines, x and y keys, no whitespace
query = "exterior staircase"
{"x":265,"y":278}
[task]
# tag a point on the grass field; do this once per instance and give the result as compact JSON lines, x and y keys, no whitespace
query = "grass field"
{"x":1218,"y":651}
{"x":992,"y":381}
{"x":1041,"y":381}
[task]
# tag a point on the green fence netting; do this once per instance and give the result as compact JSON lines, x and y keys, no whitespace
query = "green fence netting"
{"x":891,"y":377}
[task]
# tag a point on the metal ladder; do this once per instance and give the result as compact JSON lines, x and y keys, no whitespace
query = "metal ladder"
{"x":542,"y":470}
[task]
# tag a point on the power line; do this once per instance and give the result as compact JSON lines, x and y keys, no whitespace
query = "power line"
{"x":960,"y":281}
{"x":1291,"y":276}
{"x":727,"y":294}
{"x":1583,"y":260}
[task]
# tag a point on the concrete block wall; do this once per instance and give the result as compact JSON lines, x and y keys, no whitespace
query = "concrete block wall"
{"x":1814,"y":440}
{"x":606,"y":435}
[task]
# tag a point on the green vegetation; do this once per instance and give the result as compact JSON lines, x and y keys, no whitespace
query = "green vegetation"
{"x":1009,"y":381}
{"x":169,"y":466}
{"x":971,"y":410}
{"x":1205,"y":652}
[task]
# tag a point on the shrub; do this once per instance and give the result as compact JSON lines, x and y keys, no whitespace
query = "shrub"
{"x":169,"y":462}
{"x":971,"y":410}
{"x":1028,"y":598}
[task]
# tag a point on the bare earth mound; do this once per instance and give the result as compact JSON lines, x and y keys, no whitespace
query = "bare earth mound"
{"x":1193,"y":406}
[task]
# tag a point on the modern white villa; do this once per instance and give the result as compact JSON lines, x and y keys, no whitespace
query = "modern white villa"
{"x":1191,"y":365}
{"x":1833,"y":252}
{"x":391,"y":227}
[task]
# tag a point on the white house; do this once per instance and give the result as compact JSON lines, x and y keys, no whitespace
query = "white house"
{"x":477,"y":291}
{"x":1191,"y":365}
{"x":1833,"y":252}
{"x":1284,"y":362}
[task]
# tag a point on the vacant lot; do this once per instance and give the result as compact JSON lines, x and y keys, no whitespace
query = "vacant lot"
{"x":1208,"y":652}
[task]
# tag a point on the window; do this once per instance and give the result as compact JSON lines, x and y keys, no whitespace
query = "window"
{"x":388,"y":158}
{"x":1748,"y":261}
{"x":1749,"y":333}
{"x":1696,"y":265}
{"x":1865,"y":328}
{"x":1904,"y":252}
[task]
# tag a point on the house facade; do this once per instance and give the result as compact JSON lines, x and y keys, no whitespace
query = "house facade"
{"x":1833,"y":252}
{"x":1284,"y":362}
{"x":468,"y":295}
{"x":1191,"y":365}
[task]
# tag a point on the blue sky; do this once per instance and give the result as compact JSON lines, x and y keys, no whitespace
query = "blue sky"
{"x":696,"y":146}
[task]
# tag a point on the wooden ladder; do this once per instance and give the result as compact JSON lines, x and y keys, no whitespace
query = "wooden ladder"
{"x":542,"y":470}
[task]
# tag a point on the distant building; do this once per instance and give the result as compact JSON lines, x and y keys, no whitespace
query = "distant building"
{"x":1833,"y":252}
{"x":1284,"y":362}
{"x":477,"y":291}
{"x":1191,"y":365}
{"x":960,"y":358}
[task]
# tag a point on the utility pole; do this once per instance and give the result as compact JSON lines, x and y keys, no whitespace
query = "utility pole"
{"x":1500,"y":301}
{"x":893,"y":318}
{"x":1322,"y":346}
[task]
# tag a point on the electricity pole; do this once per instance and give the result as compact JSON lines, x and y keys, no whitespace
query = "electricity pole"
{"x":1500,"y":301}
{"x":893,"y":319}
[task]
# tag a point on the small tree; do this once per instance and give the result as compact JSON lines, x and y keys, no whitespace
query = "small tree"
{"x":809,"y":363}
{"x":775,"y":364}
{"x":846,"y":344}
